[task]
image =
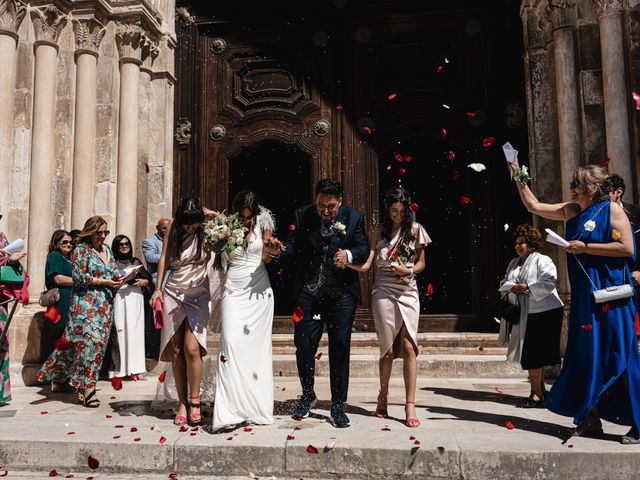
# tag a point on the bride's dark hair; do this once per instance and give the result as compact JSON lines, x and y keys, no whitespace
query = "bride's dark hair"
{"x":397,"y":195}
{"x":246,"y":199}
{"x":188,"y":212}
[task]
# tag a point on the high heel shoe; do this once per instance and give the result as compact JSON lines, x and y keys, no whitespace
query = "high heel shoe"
{"x":195,"y":418}
{"x":411,"y":422}
{"x":381,"y":412}
{"x":180,"y":420}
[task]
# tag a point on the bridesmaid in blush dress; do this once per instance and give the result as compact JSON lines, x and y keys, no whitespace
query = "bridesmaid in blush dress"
{"x":398,"y":249}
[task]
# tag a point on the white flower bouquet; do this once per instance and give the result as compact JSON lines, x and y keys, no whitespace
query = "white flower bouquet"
{"x":223,"y":234}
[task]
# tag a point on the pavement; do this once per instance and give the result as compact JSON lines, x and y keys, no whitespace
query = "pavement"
{"x":463,"y":436}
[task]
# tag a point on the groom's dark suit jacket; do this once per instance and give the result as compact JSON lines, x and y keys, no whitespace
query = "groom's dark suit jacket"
{"x":304,"y":247}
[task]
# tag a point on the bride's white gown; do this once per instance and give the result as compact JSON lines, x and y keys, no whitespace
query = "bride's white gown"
{"x":244,"y":382}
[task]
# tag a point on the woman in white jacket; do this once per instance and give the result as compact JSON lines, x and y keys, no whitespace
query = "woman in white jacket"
{"x":535,"y":340}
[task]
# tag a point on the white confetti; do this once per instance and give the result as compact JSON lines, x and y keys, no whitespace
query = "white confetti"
{"x":66,"y":425}
{"x":444,"y":105}
{"x":317,"y":316}
{"x":330,"y":446}
{"x":478,"y":167}
{"x":506,"y":227}
{"x":446,"y":60}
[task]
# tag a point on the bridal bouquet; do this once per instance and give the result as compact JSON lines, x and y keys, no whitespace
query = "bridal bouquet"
{"x":223,"y":234}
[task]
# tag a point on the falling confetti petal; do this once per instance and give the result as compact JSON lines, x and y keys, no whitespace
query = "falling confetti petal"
{"x":402,"y":171}
{"x":311,"y":449}
{"x":392,"y":96}
{"x":446,"y":60}
{"x":223,"y":359}
{"x":398,"y":158}
{"x":588,"y":328}
{"x":408,"y":158}
{"x":414,"y":207}
{"x":506,"y":227}
{"x":428,"y":291}
{"x":509,"y":424}
{"x":452,"y":155}
{"x":43,"y":413}
{"x":478,"y":167}
{"x":162,"y":376}
{"x":388,"y":166}
{"x":440,"y":69}
{"x":444,"y":105}
{"x":487,"y":142}
{"x":443,"y":133}
{"x":636,"y":98}
{"x":318,"y":356}
{"x":367,"y":130}
{"x":339,"y":107}
{"x":606,"y":162}
{"x":606,"y":307}
{"x":292,"y":227}
{"x":471,"y":114}
{"x":317,"y":317}
{"x":465,"y":200}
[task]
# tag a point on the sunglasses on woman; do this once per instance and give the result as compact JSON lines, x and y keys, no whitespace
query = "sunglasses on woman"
{"x":67,"y":242}
{"x":574,"y":184}
{"x":125,"y":244}
{"x":103,"y":233}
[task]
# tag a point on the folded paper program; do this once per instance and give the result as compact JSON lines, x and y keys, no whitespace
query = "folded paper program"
{"x":510,"y":153}
{"x":553,"y":237}
{"x":15,"y":247}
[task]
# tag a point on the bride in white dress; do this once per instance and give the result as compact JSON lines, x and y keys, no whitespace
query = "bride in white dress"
{"x":244,"y":381}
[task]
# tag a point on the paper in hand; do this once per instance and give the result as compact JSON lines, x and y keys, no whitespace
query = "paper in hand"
{"x":553,"y":237}
{"x":15,"y":247}
{"x":125,"y":272}
{"x":510,"y":153}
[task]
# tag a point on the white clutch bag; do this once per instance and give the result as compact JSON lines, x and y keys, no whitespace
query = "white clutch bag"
{"x":610,"y":294}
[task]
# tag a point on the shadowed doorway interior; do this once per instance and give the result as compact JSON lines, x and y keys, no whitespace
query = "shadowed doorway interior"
{"x":281,"y":176}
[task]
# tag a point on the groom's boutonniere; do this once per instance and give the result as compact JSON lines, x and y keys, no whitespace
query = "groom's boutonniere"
{"x":339,"y":229}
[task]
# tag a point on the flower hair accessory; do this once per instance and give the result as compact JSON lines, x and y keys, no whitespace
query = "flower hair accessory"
{"x":521,"y":175}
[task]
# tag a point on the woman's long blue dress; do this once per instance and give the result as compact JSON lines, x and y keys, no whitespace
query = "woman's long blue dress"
{"x":602,"y":343}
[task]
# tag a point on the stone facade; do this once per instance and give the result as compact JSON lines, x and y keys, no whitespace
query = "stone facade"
{"x":582,"y":62}
{"x":86,"y":125}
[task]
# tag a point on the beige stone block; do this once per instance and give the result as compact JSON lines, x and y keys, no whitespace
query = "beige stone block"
{"x":31,"y":336}
{"x":105,"y":161}
{"x":23,"y":107}
{"x":24,"y":66}
{"x":591,"y":83}
{"x":106,"y":76}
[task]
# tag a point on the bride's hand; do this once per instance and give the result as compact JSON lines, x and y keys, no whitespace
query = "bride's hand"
{"x":274,"y":246}
{"x":212,"y":214}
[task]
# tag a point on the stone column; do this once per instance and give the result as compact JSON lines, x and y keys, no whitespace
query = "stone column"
{"x":11,"y":14}
{"x":88,"y":35}
{"x":616,"y":98}
{"x":48,"y":23}
{"x":563,"y":17}
{"x":130,"y":39}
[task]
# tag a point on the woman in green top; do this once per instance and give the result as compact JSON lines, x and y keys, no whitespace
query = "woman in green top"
{"x":58,"y":273}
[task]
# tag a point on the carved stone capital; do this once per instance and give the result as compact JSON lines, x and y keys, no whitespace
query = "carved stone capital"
{"x":185,"y":17}
{"x":150,"y":51}
{"x":48,"y":23}
{"x":88,"y":35}
{"x":562,"y":13}
{"x":130,"y":39}
{"x":608,"y":6}
{"x":11,"y":14}
{"x":537,"y":30}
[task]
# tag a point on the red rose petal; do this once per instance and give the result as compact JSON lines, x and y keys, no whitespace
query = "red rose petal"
{"x":606,"y":307}
{"x":247,"y":429}
{"x":280,"y":271}
{"x":223,"y":359}
{"x":451,"y":155}
{"x":414,"y":207}
{"x":116,"y":383}
{"x":71,"y":433}
{"x":443,"y":133}
{"x":402,"y":171}
{"x":63,"y":344}
{"x":392,"y":96}
{"x":339,"y":107}
{"x":195,"y":429}
{"x":636,"y":98}
{"x":162,"y":376}
{"x":292,"y":227}
{"x":136,"y":439}
{"x":471,"y":114}
{"x":440,"y":69}
{"x":412,"y":437}
{"x":509,"y":424}
{"x":53,"y":473}
{"x":311,"y":449}
{"x":318,"y":356}
{"x":297,"y":428}
{"x":417,"y":442}
{"x":606,"y":162}
{"x":290,"y":437}
{"x":183,"y":428}
{"x":119,"y":426}
{"x":481,"y":349}
{"x":229,"y":438}
{"x":93,"y":462}
{"x":115,"y":437}
{"x":456,"y":174}
{"x":465,"y":200}
{"x":487,"y":142}
{"x":133,"y":429}
{"x":588,"y":328}
{"x":428,"y":291}
{"x":89,"y":478}
{"x":298,"y":314}
{"x":398,"y":158}
{"x":113,"y":398}
{"x":192,"y":433}
{"x":162,"y":440}
{"x":109,"y":416}
{"x":4,"y":474}
{"x":69,"y":475}
{"x":499,"y":390}
{"x":43,"y":413}
{"x":408,"y":158}
{"x":570,"y":446}
{"x":367,"y":130}
{"x":385,"y":429}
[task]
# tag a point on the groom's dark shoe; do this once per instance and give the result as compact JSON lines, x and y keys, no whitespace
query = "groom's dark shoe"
{"x":305,"y":404}
{"x":338,"y":417}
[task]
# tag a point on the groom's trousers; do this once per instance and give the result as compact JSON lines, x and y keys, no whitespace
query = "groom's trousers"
{"x":338,"y":315}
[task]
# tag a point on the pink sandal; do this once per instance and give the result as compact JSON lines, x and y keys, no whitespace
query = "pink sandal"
{"x":411,"y":422}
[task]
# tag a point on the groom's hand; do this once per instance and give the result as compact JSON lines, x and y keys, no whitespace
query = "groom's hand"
{"x":340,"y":259}
{"x":274,"y":246}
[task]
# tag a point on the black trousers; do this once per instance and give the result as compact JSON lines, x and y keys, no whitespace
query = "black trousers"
{"x":338,"y":315}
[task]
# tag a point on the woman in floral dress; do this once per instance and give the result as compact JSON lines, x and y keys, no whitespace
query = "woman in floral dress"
{"x":5,"y":384}
{"x":79,"y":353}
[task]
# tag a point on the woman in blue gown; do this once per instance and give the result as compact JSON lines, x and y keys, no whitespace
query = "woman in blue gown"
{"x":600,"y":375}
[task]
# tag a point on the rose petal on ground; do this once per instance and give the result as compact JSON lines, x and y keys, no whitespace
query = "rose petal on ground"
{"x":318,"y":356}
{"x":280,"y":373}
{"x":248,"y":429}
{"x":481,"y":349}
{"x":71,"y":433}
{"x":229,"y":438}
{"x":115,"y":437}
{"x":4,"y":473}
{"x":69,"y":475}
{"x":329,"y":446}
{"x":133,"y":429}
{"x":183,"y":428}
{"x":113,"y":398}
{"x":417,"y":442}
{"x":392,"y":96}
{"x":116,"y":383}
{"x":297,"y":428}
{"x":487,"y":142}
{"x":162,"y":376}
{"x":53,"y":473}
{"x":509,"y":424}
{"x":119,"y":426}
{"x":89,"y":478}
{"x":412,"y":437}
{"x":311,"y":449}
{"x":93,"y":462}
{"x":109,"y":416}
{"x":465,"y":200}
{"x":290,"y":437}
{"x":193,"y":433}
{"x":195,"y":429}
{"x":137,"y":439}
{"x":162,"y":440}
{"x":385,"y":429}
{"x":499,"y":390}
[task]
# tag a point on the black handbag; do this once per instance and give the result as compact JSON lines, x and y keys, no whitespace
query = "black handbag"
{"x":508,"y":311}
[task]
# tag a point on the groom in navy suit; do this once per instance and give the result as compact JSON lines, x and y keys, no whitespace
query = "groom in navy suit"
{"x":325,"y":238}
